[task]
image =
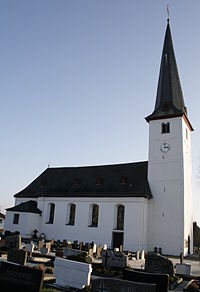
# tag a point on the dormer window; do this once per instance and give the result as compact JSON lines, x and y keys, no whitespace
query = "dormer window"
{"x":42,"y":184}
{"x":76,"y":182}
{"x":165,"y":128}
{"x":123,"y":180}
{"x":165,"y":106}
{"x":98,"y":181}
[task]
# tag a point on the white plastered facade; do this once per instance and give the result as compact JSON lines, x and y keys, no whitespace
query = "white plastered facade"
{"x":170,"y":179}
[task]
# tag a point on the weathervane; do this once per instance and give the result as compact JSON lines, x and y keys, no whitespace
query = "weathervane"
{"x":168,"y":13}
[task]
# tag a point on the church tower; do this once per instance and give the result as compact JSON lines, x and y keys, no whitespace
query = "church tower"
{"x":170,"y":163}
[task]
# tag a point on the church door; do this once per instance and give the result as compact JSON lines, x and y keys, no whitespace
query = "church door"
{"x":117,"y":240}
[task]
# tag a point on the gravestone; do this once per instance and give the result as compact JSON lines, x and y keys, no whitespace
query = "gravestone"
{"x":183,"y":269}
{"x":13,"y":242}
{"x":161,"y":280}
{"x":30,"y":248}
{"x":94,"y":248}
{"x":114,"y":259}
{"x":99,"y":249}
{"x":68,"y":252}
{"x":44,"y":250}
{"x":142,"y":255}
{"x":155,"y":263}
{"x":59,"y":253}
{"x":75,"y":244}
{"x":69,"y":244}
{"x":90,"y":252}
{"x":17,"y":256}
{"x":138,"y":255}
{"x":48,"y":246}
{"x":71,"y":273}
{"x":80,"y":245}
{"x":87,"y":247}
{"x":15,"y":278}
{"x":40,"y":244}
{"x":2,"y":243}
{"x":118,"y":285}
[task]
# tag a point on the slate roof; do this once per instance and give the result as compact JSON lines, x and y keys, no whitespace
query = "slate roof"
{"x":169,"y":99}
{"x":29,"y":206}
{"x":118,"y":180}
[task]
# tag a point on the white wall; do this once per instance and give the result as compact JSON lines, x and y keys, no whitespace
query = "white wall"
{"x":187,"y":173}
{"x":168,"y":214}
{"x":2,"y":223}
{"x":27,"y":223}
{"x":134,"y":221}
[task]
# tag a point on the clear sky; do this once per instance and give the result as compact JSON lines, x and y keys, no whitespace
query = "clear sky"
{"x":77,"y":78}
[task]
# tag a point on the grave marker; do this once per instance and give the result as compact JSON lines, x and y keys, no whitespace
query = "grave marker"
{"x":73,"y":252}
{"x":17,"y":256}
{"x":99,"y":249}
{"x":13,"y":242}
{"x":161,"y":280}
{"x":75,"y":244}
{"x":2,"y":243}
{"x":155,"y":263}
{"x":14,"y":278}
{"x":80,"y":245}
{"x":118,"y":285}
{"x":48,"y":246}
{"x":72,"y":274}
{"x":114,"y":259}
{"x":44,"y":250}
{"x":40,"y":244}
{"x":30,"y":248}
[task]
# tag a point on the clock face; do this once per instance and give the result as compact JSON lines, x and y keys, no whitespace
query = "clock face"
{"x":165,"y":147}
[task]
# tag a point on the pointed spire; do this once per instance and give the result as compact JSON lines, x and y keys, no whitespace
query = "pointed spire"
{"x":169,"y":99}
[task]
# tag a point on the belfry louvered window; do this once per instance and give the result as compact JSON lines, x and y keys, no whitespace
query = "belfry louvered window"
{"x":165,"y":128}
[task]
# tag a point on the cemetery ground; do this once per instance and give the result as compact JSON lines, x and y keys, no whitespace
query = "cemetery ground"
{"x":40,"y":265}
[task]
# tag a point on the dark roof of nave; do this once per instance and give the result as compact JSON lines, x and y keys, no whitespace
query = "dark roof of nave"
{"x":29,"y":206}
{"x":118,"y":180}
{"x":169,"y":99}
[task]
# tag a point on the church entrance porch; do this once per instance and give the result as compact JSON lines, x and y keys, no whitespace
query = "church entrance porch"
{"x":117,"y":239}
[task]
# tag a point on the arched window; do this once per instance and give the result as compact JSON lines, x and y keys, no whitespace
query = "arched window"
{"x":165,"y":128}
{"x":94,"y":214}
{"x":51,"y":213}
{"x":71,"y":212}
{"x":120,"y":217}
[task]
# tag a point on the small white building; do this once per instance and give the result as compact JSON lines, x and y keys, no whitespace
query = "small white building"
{"x":139,"y":205}
{"x":2,"y":219}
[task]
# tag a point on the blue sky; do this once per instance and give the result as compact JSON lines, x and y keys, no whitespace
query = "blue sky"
{"x":77,"y":78}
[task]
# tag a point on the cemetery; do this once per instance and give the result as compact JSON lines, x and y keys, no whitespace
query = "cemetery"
{"x":37,"y":264}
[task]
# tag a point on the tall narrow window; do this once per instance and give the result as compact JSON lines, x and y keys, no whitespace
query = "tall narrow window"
{"x":120,"y":217}
{"x":165,"y":128}
{"x":51,"y":213}
{"x":71,"y":214}
{"x":16,"y":219}
{"x":94,"y":215}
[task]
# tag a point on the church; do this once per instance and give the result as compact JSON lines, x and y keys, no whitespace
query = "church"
{"x":139,"y":205}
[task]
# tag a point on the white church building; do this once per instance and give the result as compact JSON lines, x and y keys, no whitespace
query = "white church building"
{"x":139,"y":205}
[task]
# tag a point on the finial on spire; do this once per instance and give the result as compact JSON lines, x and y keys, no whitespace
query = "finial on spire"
{"x":168,"y":13}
